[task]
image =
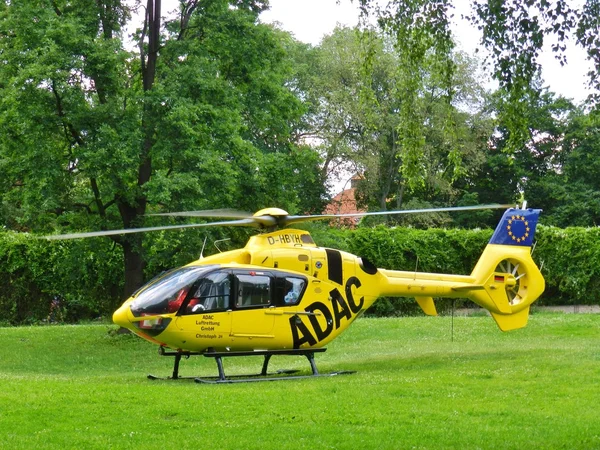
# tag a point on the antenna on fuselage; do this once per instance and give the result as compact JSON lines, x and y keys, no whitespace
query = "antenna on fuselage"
{"x":416,"y":267}
{"x":203,"y":246}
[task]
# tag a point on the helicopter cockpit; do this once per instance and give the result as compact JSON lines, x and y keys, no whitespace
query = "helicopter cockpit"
{"x":211,"y":294}
{"x":187,"y":290}
{"x":199,"y":289}
{"x":194,"y":290}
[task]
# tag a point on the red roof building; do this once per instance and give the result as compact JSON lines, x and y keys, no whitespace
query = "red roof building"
{"x":345,"y":203}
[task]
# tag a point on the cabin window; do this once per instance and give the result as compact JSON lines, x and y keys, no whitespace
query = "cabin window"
{"x":253,"y":290}
{"x":212,"y":294}
{"x":293,"y":290}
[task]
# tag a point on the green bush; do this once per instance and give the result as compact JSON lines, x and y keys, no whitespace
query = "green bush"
{"x":569,"y":259}
{"x":81,"y":277}
{"x":77,"y":280}
{"x":85,"y":277}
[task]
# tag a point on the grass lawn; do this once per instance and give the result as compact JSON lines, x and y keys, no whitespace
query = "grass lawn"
{"x":84,"y":387}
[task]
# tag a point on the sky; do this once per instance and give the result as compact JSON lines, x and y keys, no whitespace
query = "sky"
{"x":310,"y":20}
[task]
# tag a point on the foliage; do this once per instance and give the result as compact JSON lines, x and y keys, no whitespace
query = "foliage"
{"x":513,"y":32}
{"x":96,"y":133}
{"x":421,"y":36}
{"x":168,"y":249}
{"x":557,"y":169}
{"x":35,"y":272}
{"x":543,"y":147}
{"x":363,"y":122}
{"x":84,"y":276}
{"x":214,"y":109}
{"x":571,"y":265}
{"x":573,"y":191}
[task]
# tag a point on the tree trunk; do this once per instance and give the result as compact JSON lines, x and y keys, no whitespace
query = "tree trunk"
{"x":134,"y":264}
{"x":130,"y":214}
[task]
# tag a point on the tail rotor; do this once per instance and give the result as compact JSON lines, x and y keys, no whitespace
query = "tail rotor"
{"x":516,"y":283}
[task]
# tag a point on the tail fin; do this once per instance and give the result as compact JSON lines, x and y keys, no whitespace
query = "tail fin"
{"x":510,"y":279}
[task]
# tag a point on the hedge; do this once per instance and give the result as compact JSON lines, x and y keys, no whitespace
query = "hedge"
{"x":83,"y":279}
{"x":569,"y":259}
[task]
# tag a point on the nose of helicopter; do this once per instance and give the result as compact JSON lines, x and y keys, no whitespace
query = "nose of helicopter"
{"x":120,"y":316}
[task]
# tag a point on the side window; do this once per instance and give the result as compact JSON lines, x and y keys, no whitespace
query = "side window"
{"x":212,"y":294}
{"x":253,"y":290}
{"x":293,"y":290}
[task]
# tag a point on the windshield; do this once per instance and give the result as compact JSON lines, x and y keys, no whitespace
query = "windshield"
{"x":166,"y":293}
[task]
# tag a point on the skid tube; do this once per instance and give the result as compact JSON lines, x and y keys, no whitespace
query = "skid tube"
{"x":264,"y":375}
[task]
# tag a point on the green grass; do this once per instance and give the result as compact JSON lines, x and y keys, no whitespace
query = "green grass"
{"x":84,"y":387}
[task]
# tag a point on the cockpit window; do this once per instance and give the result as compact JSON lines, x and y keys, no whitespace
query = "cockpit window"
{"x":212,"y":294}
{"x":167,"y":293}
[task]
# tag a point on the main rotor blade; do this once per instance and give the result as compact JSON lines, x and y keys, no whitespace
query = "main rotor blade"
{"x":230,"y":223}
{"x":262,"y":221}
{"x":219,"y":213}
{"x":297,"y":219}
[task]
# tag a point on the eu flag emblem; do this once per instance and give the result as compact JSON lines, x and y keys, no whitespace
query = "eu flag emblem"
{"x":517,"y":227}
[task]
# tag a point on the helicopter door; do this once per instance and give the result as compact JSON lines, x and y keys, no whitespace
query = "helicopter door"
{"x":252,"y":299}
{"x":207,"y":308}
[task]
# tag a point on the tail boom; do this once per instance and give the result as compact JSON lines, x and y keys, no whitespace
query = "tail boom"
{"x":505,"y":280}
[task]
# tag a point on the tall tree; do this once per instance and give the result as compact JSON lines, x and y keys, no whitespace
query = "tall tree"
{"x":555,"y":170}
{"x":420,"y":32}
{"x":357,"y":115}
{"x":196,"y":114}
{"x":569,"y":192}
{"x":514,"y":32}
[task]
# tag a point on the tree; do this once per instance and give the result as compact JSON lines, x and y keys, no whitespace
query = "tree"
{"x":355,"y":110}
{"x":357,"y":115}
{"x":555,"y":170}
{"x":514,"y":33}
{"x":570,"y":194}
{"x":419,"y":30}
{"x":505,"y":176}
{"x":96,"y":132}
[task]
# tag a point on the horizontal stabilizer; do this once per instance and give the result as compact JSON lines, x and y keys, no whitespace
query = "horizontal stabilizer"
{"x":427,"y":305}
{"x":468,"y":287}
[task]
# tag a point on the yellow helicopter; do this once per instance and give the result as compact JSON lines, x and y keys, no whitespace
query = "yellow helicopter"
{"x":283,"y":295}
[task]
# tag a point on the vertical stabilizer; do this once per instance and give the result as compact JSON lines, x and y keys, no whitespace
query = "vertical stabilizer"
{"x":510,"y":278}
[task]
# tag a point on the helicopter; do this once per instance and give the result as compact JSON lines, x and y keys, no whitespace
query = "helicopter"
{"x":282,"y":294}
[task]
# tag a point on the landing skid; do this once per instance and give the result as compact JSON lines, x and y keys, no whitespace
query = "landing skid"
{"x":264,"y":375}
{"x":231,"y":380}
